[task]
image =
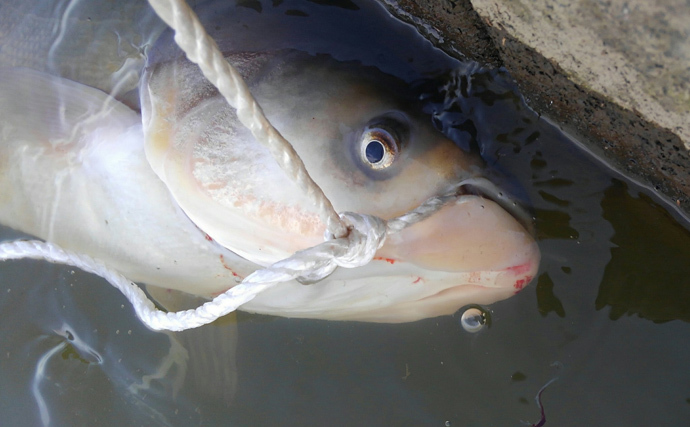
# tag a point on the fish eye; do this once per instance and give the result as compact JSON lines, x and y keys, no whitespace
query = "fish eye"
{"x":379,"y":147}
{"x":375,"y":151}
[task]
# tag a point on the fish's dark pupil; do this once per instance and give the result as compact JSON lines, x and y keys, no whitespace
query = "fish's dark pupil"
{"x":374,"y":151}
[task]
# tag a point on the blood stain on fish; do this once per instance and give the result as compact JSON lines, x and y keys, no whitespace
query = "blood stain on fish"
{"x":519,"y":284}
{"x":520,"y":269}
{"x":222,"y":261}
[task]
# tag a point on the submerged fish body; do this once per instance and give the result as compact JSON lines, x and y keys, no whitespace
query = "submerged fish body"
{"x":189,"y":201}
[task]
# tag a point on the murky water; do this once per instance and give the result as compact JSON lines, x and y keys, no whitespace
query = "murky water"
{"x":608,"y":315}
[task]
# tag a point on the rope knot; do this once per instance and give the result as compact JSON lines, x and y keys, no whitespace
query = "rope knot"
{"x":367,"y":233}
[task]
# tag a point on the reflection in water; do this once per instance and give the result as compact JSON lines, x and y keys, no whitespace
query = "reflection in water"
{"x":71,"y":358}
{"x":39,"y":377}
{"x":474,"y":319}
{"x":649,"y":271}
{"x":72,"y":352}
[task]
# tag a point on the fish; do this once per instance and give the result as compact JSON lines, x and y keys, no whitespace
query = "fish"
{"x":181,"y":197}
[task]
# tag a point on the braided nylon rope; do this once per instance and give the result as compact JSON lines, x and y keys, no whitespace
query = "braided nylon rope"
{"x":203,"y":51}
{"x":351,"y":239}
{"x":366,"y":235}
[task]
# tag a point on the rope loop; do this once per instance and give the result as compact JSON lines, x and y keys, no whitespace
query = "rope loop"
{"x":367,"y":234}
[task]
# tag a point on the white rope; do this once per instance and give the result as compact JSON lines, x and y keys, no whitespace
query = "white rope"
{"x":433,"y":204}
{"x":351,"y":239}
{"x":203,"y":51}
{"x":366,"y":235}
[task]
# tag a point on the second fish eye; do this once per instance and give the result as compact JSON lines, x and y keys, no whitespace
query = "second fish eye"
{"x":378,"y":148}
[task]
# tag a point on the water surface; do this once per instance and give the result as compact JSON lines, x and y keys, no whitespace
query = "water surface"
{"x":608,"y":314}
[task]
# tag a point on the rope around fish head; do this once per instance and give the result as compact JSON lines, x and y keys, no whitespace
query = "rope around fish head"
{"x":351,"y":239}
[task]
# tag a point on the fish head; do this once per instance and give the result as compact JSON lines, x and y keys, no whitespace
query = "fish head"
{"x":367,"y":144}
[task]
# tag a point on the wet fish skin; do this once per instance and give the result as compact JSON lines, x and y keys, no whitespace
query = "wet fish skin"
{"x":77,"y":168}
{"x":324,"y":107}
{"x":86,"y":185}
{"x":196,"y":145}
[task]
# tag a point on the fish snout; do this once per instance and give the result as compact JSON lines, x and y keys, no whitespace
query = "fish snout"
{"x":474,"y":237}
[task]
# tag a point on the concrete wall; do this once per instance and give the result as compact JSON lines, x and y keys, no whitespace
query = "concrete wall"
{"x":614,"y":73}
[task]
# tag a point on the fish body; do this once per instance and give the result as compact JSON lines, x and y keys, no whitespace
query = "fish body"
{"x":73,"y":172}
{"x":183,"y":198}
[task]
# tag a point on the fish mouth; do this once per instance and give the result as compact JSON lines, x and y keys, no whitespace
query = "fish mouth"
{"x":471,"y":251}
{"x":486,"y":189}
{"x":480,"y":233}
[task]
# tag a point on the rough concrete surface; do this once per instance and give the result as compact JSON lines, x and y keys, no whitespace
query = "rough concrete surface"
{"x":616,"y":73}
{"x":635,"y":52}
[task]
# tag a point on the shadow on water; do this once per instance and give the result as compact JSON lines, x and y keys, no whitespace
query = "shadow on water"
{"x":608,"y":314}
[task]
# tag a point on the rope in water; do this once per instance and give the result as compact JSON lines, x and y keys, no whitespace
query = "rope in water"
{"x":351,"y":239}
{"x":367,"y":234}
